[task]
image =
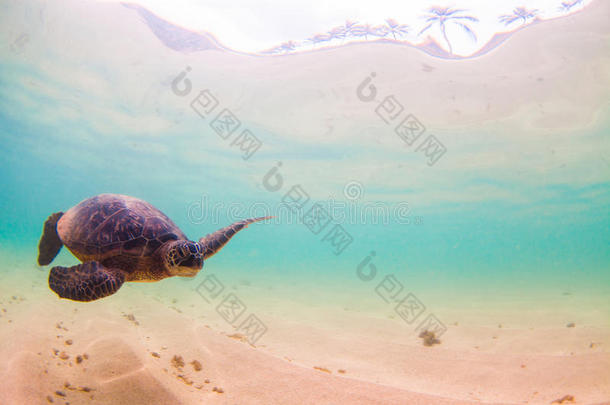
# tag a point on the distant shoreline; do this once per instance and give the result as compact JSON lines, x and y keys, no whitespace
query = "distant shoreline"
{"x":194,"y":41}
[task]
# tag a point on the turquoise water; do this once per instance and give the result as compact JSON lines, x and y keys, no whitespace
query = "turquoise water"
{"x":561,"y":238}
{"x":561,"y":234}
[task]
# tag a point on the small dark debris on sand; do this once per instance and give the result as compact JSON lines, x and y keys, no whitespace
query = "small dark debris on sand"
{"x":218,"y":390}
{"x":196,"y":365}
{"x":69,"y":342}
{"x":565,"y":398}
{"x":132,"y":318}
{"x":238,"y":336}
{"x":59,"y":325}
{"x":155,"y":354}
{"x":184,"y":379}
{"x":429,"y":338}
{"x":60,"y":393}
{"x":324,"y":369}
{"x":79,"y":359}
{"x":50,"y":399}
{"x":64,"y":356}
{"x":570,"y":325}
{"x":178,"y":361}
{"x":341,"y":371}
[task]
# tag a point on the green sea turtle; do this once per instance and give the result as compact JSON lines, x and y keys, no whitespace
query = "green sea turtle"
{"x":120,"y":238}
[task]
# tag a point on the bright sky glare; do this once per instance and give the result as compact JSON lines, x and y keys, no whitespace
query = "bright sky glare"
{"x":253,"y":26}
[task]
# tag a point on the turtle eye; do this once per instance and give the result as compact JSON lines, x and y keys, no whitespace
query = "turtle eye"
{"x":184,"y":250}
{"x":192,"y":248}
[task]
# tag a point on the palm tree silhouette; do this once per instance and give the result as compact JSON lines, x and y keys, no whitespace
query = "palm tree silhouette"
{"x":380,"y":31}
{"x":364,"y":30}
{"x":288,"y":46}
{"x":360,"y":30}
{"x":519,"y":13}
{"x":442,"y":15}
{"x":395,"y":28}
{"x":319,"y":38}
{"x":348,"y":27}
{"x":567,"y":5}
{"x":338,"y":32}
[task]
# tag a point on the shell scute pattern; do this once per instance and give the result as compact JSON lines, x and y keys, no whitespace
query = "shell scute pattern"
{"x":134,"y":246}
{"x":99,"y":228}
{"x":153,"y":245}
{"x":129,"y":226}
{"x":88,"y":219}
{"x":111,"y":247}
{"x":110,"y":225}
{"x":156,"y":227}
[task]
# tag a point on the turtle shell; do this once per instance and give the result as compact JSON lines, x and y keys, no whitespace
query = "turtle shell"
{"x":111,"y":225}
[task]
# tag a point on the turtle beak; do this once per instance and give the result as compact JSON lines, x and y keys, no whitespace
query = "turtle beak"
{"x":194,"y":262}
{"x":191,"y":266}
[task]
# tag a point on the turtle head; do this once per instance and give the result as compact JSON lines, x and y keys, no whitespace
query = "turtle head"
{"x":183,"y":258}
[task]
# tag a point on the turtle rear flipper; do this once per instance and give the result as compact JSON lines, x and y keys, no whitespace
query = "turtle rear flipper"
{"x":49,"y":244}
{"x":85,"y":282}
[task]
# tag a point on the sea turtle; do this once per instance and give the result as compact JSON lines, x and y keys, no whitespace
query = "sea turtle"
{"x":120,"y":238}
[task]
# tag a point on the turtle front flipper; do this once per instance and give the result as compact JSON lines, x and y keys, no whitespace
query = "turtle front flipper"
{"x":49,"y":244}
{"x":213,"y":242}
{"x":86,"y":282}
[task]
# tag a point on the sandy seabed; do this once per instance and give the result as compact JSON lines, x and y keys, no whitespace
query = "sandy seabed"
{"x":161,"y":343}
